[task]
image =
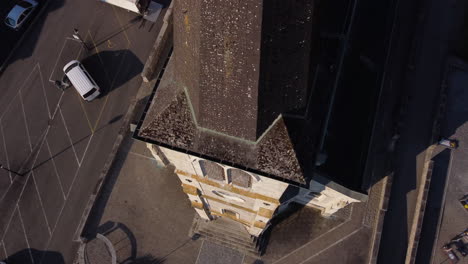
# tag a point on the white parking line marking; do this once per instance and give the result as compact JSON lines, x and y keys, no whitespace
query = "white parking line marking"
{"x":25,"y":120}
{"x":86,"y":149}
{"x":24,"y":232}
{"x":57,"y":106}
{"x":69,"y":137}
{"x":43,"y":90}
{"x":79,"y":166}
{"x":56,"y":62}
{"x":66,"y":199}
{"x":332,"y":245}
{"x":14,"y":97}
{"x":4,"y":248}
{"x":6,"y":154}
{"x":82,"y":158}
{"x":24,"y":185}
{"x":121,"y":25}
{"x":56,"y":171}
{"x":40,"y":202}
{"x":6,"y":191}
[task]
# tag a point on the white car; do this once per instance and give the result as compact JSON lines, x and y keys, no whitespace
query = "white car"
{"x":20,"y":12}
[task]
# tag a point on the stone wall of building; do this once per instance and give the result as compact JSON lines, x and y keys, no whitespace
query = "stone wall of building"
{"x":217,"y":190}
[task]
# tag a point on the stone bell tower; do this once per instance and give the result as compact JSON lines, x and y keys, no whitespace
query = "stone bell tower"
{"x":234,"y":113}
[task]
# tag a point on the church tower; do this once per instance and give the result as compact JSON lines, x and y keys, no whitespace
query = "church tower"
{"x":240,"y":115}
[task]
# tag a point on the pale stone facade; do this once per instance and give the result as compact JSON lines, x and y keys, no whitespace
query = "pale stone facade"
{"x":214,"y":192}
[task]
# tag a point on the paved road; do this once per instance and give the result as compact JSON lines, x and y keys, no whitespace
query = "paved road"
{"x":421,"y":83}
{"x":445,"y":217}
{"x":55,"y":136}
{"x":9,"y":36}
{"x":454,"y":219}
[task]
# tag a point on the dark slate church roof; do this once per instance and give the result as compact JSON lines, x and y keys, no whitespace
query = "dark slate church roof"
{"x":170,"y":121}
{"x":238,"y":86}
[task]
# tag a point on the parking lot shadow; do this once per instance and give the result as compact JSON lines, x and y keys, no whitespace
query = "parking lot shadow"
{"x":112,"y":69}
{"x":14,"y":43}
{"x":31,"y":255}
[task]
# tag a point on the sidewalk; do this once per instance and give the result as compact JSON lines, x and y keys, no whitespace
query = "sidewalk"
{"x":146,"y":216}
{"x":446,"y":217}
{"x":422,"y":90}
{"x":143,"y":211}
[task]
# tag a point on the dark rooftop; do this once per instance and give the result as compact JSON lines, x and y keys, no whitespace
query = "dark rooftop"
{"x":170,"y":121}
{"x":249,"y":85}
{"x":237,"y":66}
{"x":243,"y":62}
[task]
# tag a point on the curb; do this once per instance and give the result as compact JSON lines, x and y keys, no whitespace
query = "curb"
{"x":165,"y":35}
{"x":110,"y":160}
{"x":452,"y":62}
{"x":423,"y":192}
{"x":416,"y":227}
{"x":20,"y":40}
{"x":389,"y":179}
{"x":377,"y":235}
{"x":110,"y":247}
{"x":144,"y":90}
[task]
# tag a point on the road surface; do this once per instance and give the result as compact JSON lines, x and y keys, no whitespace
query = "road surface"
{"x":59,"y":140}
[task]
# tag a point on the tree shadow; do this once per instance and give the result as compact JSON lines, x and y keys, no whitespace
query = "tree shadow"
{"x":31,"y":255}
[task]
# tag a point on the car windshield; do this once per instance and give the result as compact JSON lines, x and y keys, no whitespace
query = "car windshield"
{"x":24,"y":4}
{"x":21,"y":18}
{"x":70,"y":67}
{"x":88,"y":94}
{"x":10,"y":21}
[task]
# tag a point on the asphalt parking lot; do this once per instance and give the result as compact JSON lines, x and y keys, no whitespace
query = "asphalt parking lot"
{"x":9,"y":36}
{"x":57,"y":139}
